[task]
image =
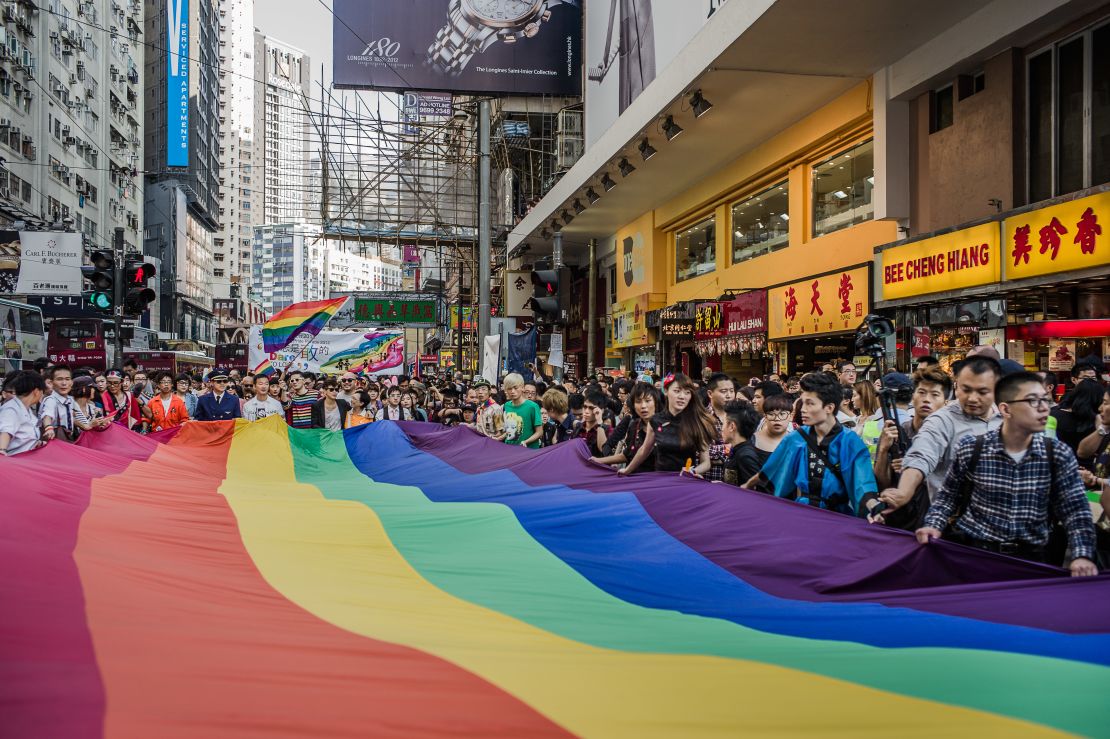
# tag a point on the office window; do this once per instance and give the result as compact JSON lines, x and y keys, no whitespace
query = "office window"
{"x":760,"y":223}
{"x":842,"y":188}
{"x":941,"y":109}
{"x":696,"y":250}
{"x":1068,"y":101}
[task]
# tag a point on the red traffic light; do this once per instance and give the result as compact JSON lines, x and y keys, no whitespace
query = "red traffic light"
{"x":138,"y":272}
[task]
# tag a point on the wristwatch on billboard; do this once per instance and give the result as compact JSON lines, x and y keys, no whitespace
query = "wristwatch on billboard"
{"x":474,"y":25}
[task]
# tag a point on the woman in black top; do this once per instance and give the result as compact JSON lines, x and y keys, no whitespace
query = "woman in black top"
{"x":1076,"y":414}
{"x":680,"y":435}
{"x":644,"y":402}
{"x":777,"y":410}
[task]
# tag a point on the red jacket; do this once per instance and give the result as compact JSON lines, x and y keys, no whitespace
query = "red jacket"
{"x":161,"y":419}
{"x":130,"y":419}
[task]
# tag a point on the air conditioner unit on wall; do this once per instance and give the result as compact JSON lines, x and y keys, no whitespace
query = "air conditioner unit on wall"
{"x":570,"y":122}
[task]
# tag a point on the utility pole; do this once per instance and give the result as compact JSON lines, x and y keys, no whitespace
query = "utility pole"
{"x":117,"y":292}
{"x":459,"y":322}
{"x":591,"y":313}
{"x":483,"y":223}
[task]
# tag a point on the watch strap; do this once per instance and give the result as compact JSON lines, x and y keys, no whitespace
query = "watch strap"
{"x":457,"y":42}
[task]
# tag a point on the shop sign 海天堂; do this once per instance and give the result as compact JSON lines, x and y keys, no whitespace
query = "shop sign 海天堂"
{"x":1060,"y":238}
{"x":952,"y":261}
{"x":826,"y":304}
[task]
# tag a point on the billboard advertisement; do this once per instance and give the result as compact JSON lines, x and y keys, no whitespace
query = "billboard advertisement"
{"x":50,"y":263}
{"x":628,"y":43}
{"x":177,"y":83}
{"x":515,"y":47}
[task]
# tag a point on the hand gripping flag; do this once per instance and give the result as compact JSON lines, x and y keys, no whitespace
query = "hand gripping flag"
{"x":287,"y":324}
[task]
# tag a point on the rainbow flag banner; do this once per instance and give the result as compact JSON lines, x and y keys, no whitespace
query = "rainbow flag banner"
{"x":245,"y":580}
{"x":265,"y":369}
{"x":307,"y":317}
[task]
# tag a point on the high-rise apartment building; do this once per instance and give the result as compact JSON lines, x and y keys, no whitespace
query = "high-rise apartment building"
{"x":182,"y":160}
{"x":231,"y":249}
{"x":350,"y":272}
{"x":282,"y":132}
{"x":288,"y":265}
{"x":71,"y":116}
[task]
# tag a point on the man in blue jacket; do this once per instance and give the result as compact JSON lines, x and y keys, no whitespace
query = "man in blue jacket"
{"x":218,"y":405}
{"x":821,"y":464}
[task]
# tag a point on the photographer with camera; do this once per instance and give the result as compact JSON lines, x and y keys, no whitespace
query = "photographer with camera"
{"x":926,"y":394}
{"x":974,"y":414}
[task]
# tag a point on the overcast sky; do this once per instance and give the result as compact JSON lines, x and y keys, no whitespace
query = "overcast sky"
{"x":305,"y":24}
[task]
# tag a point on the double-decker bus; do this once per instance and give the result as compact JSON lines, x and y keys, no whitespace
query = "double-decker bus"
{"x":193,"y":363}
{"x":82,"y":342}
{"x":232,"y":356}
{"x":21,"y":335}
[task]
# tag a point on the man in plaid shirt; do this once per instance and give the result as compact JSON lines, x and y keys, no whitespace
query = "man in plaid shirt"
{"x":1014,"y":487}
{"x":721,"y":391}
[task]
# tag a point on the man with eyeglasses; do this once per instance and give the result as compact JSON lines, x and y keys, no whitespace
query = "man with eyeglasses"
{"x":347,"y":387}
{"x":1004,"y":486}
{"x":219,"y":405}
{"x":846,"y":373}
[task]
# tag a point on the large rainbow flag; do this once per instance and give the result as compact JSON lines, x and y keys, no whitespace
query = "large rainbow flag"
{"x":306,"y":317}
{"x":235,"y":580}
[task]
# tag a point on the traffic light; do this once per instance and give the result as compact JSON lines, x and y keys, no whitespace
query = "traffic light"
{"x":101,"y":276}
{"x":136,"y":294}
{"x":549,"y":300}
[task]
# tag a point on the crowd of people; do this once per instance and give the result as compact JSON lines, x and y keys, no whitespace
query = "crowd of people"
{"x":989,"y":455}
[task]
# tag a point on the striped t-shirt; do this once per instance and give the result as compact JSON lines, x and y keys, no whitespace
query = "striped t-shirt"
{"x":300,"y":410}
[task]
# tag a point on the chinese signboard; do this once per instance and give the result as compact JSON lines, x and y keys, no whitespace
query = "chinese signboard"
{"x":744,"y":315}
{"x":828,"y":304}
{"x":469,"y":318}
{"x":676,"y":328}
{"x":952,"y":261}
{"x":518,"y":290}
{"x":709,"y":321}
{"x":50,"y":263}
{"x":375,"y":310}
{"x":1060,"y":238}
{"x":630,"y":323}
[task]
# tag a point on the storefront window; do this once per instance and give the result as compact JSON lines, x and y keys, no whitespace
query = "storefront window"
{"x":842,"y":190}
{"x":696,"y":250}
{"x":760,"y":223}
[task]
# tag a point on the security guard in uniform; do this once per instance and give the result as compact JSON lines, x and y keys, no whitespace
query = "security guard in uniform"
{"x":218,"y":405}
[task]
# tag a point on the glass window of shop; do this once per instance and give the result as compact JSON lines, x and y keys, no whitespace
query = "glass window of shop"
{"x":695,"y":250}
{"x":760,"y":224}
{"x":1056,"y":352}
{"x":1068,"y":113}
{"x":949,"y":331}
{"x":842,"y":189}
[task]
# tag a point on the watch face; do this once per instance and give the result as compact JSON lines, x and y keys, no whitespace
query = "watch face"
{"x":502,"y":12}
